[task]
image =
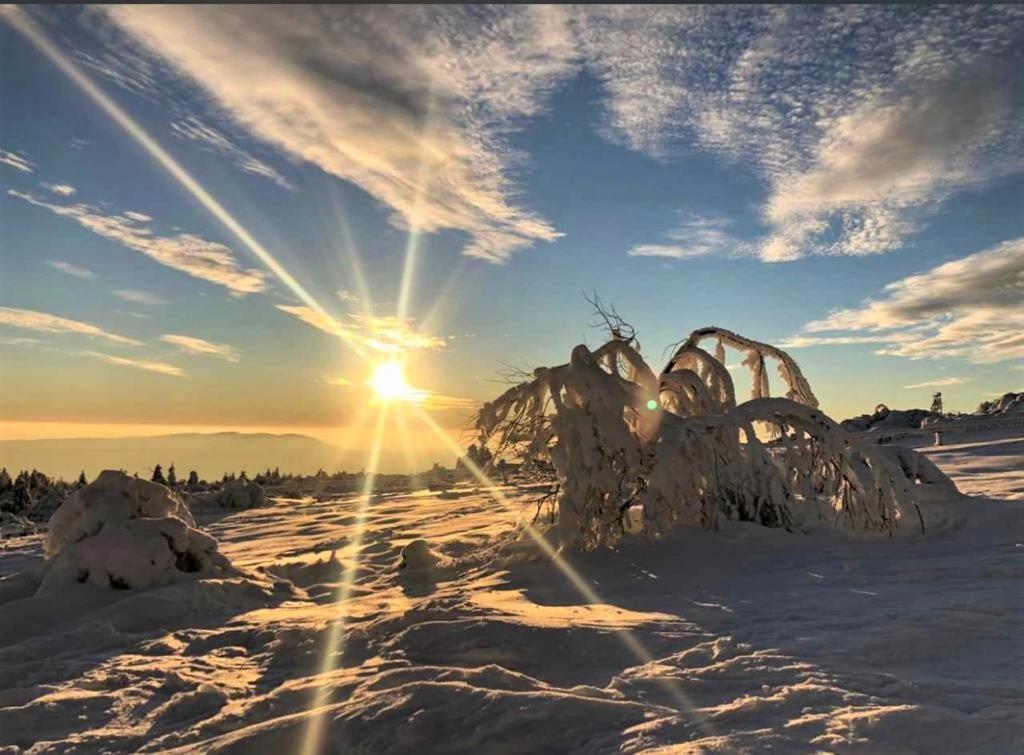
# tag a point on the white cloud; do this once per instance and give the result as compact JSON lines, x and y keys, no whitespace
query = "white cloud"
{"x":197,"y":346}
{"x":942,"y":382}
{"x":64,"y":190}
{"x":384,"y":334}
{"x":412,"y":104}
{"x":138,"y":217}
{"x":16,"y":161}
{"x":194,"y":129}
{"x":29,"y":319}
{"x":859,"y":119}
{"x":972,"y":307}
{"x":74,"y":270}
{"x":695,"y":236}
{"x":185,"y":252}
{"x":895,"y":153}
{"x":138,"y":364}
{"x":139,"y":297}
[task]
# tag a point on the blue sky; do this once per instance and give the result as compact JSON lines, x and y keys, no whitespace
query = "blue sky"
{"x":847,"y":182}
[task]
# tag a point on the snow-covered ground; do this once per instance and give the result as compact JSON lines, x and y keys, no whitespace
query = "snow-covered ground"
{"x":742,"y":640}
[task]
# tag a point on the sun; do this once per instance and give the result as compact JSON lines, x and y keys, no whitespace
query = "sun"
{"x":389,"y":383}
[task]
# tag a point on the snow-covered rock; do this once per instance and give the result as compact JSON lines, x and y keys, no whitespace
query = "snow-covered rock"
{"x":241,"y":495}
{"x":1008,"y":403}
{"x":126,"y":533}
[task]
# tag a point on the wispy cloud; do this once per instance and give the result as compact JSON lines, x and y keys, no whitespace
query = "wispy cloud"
{"x":384,"y":334}
{"x":74,"y":270}
{"x":28,"y":319}
{"x":938,"y":383}
{"x":411,"y":104}
{"x":858,"y":118}
{"x":64,"y":190}
{"x":696,"y":236}
{"x":19,"y":341}
{"x":138,"y":364}
{"x":16,"y":161}
{"x":186,"y":252}
{"x":198,"y":346}
{"x":194,"y":129}
{"x":970,"y":308}
{"x":136,"y":296}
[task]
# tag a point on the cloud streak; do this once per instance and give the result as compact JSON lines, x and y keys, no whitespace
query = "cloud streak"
{"x":16,"y":161}
{"x":383,"y":334}
{"x":42,"y":322}
{"x":139,"y":297}
{"x":696,"y":236}
{"x":185,"y":252}
{"x":200,"y":347}
{"x":193,"y":129}
{"x":64,"y":190}
{"x":138,"y":364}
{"x":969,"y":308}
{"x":73,"y":270}
{"x":941,"y":383}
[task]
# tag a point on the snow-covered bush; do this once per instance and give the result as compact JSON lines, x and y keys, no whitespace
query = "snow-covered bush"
{"x":126,"y":533}
{"x":678,"y":447}
{"x":240,"y":495}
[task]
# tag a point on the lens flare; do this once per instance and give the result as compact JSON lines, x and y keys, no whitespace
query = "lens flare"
{"x":575,"y":579}
{"x":23,"y":24}
{"x":334,"y":644}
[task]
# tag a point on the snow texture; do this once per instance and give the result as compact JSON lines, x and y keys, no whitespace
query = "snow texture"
{"x":745,"y":639}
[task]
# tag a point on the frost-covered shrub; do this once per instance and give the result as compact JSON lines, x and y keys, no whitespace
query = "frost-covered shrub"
{"x":240,"y":495}
{"x":126,"y":533}
{"x":678,"y":447}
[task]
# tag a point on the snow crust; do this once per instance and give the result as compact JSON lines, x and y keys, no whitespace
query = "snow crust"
{"x":744,"y":639}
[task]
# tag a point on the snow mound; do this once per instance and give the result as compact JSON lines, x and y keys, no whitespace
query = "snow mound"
{"x":418,"y":556}
{"x":1008,"y":403}
{"x":242,"y":495}
{"x":886,"y":419}
{"x":14,"y":525}
{"x":126,"y":533}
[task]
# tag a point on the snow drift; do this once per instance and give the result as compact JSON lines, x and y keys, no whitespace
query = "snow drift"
{"x":126,"y":533}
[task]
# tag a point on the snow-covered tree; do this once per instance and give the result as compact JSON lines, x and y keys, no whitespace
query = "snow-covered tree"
{"x":678,"y":447}
{"x":172,"y":476}
{"x":158,"y":475}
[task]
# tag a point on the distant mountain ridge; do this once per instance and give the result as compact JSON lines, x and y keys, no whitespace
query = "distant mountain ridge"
{"x":210,"y":454}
